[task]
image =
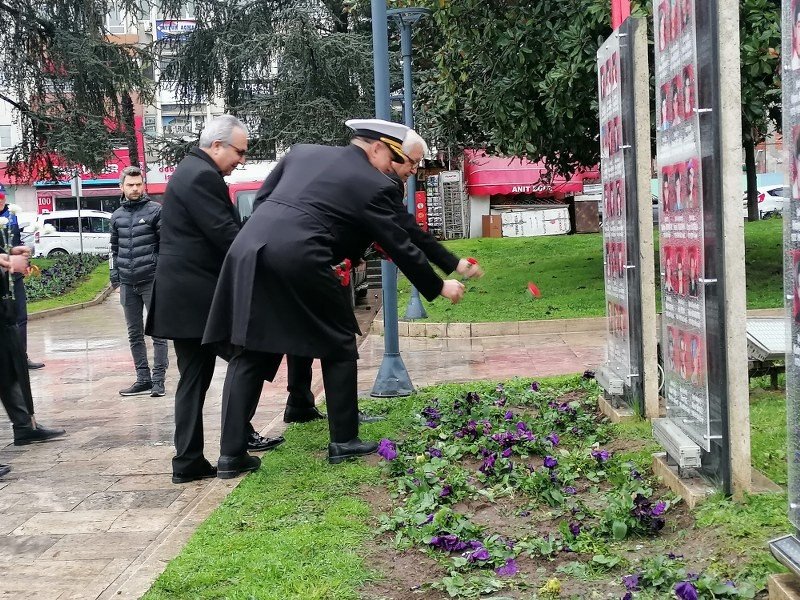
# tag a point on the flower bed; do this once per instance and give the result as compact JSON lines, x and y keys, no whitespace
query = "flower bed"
{"x":526,"y":489}
{"x":63,"y":275}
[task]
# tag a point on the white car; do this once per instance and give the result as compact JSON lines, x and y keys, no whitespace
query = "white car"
{"x":771,"y":199}
{"x":66,"y":236}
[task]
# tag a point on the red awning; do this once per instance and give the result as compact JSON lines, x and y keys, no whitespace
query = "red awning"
{"x":493,"y":175}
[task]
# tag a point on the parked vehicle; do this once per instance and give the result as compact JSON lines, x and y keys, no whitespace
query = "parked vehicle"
{"x":95,"y":228}
{"x":771,"y":200}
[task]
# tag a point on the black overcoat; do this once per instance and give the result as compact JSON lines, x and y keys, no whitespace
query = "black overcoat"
{"x":198,"y":225}
{"x":277,"y":292}
{"x":13,"y":360}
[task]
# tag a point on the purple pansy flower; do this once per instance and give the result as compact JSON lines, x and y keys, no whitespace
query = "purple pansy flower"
{"x":507,"y":570}
{"x":550,"y":462}
{"x":387,"y":449}
{"x":448,"y":542}
{"x":534,"y":386}
{"x":446,"y":491}
{"x":575,"y":528}
{"x":508,"y":416}
{"x":685,"y":591}
{"x":631,"y":582}
{"x":659,"y":509}
{"x":435,"y":452}
{"x":628,"y":596}
{"x":478,"y":553}
{"x":553,"y":438}
{"x":506,"y":453}
{"x":570,"y":490}
{"x":601,"y":455}
{"x":487,"y":467}
{"x":428,"y":519}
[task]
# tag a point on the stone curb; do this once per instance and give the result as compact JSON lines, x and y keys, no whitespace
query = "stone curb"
{"x":419,"y":329}
{"x":51,"y":312}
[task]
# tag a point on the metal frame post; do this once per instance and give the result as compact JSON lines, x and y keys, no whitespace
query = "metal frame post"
{"x":392,"y":379}
{"x":405,"y":18}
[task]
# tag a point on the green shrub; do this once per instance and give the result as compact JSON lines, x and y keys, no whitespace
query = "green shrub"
{"x":62,"y":276}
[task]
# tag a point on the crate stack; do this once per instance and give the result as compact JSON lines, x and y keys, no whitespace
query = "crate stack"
{"x":435,"y":213}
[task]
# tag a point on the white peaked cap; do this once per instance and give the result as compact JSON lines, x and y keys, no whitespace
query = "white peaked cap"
{"x":377,"y":128}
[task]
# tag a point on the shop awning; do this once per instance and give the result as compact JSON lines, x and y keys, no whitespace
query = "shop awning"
{"x":496,"y":175}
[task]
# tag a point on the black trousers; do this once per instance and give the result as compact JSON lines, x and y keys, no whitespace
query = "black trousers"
{"x":299,"y":376}
{"x":196,"y":368}
{"x":247,"y":372}
{"x":21,"y":306}
{"x":15,"y":385}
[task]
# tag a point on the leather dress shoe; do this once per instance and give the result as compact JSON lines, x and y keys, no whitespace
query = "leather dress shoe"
{"x":341,"y":451}
{"x":365,"y":418}
{"x":294,"y":414}
{"x":208,"y":471}
{"x":34,"y":365}
{"x":32,"y":435}
{"x":4,"y":470}
{"x":259,"y":443}
{"x":229,"y":467}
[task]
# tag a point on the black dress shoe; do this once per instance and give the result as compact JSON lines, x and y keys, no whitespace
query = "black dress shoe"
{"x":34,"y":365}
{"x":208,"y":472}
{"x":4,"y":470}
{"x":259,"y":443}
{"x":229,"y":467}
{"x":365,"y":418}
{"x":293,"y":414}
{"x":339,"y":452}
{"x":31,"y":435}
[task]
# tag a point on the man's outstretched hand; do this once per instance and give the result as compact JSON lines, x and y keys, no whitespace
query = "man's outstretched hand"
{"x":453,"y":290}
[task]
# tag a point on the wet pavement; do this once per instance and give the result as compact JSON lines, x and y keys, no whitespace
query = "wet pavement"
{"x":95,"y":515}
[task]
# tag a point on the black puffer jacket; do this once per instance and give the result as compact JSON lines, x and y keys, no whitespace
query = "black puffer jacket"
{"x":135,"y":235}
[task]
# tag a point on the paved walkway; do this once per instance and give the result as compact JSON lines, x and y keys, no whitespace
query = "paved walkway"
{"x":95,"y":515}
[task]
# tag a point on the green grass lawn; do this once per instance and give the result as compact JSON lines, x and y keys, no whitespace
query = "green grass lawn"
{"x":569,"y":272}
{"x":86,"y":291}
{"x":768,"y":429}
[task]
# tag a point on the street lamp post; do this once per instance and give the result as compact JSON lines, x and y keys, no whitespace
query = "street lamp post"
{"x":392,"y":379}
{"x":405,"y":18}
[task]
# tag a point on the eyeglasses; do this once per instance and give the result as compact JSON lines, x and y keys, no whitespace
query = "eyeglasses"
{"x":239,"y":151}
{"x":415,"y":163}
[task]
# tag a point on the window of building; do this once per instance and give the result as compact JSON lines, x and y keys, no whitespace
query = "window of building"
{"x":5,"y":136}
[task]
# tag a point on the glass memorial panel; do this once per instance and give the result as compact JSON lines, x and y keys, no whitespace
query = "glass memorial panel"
{"x":615,"y":242}
{"x":791,"y":224}
{"x":681,"y":220}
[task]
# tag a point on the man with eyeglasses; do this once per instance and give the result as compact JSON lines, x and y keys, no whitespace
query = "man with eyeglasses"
{"x":135,"y":233}
{"x":198,"y":225}
{"x":277,"y":294}
{"x":300,"y":407}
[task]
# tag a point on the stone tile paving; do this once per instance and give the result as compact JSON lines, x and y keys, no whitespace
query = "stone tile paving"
{"x":95,"y":515}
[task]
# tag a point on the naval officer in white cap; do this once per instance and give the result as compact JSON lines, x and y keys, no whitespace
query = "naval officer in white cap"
{"x":277,"y":294}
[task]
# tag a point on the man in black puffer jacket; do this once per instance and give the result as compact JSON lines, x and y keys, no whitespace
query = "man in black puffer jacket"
{"x":135,"y":235}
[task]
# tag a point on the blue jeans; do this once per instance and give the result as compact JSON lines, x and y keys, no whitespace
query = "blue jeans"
{"x":135,"y":299}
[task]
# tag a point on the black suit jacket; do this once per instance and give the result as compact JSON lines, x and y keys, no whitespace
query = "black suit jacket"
{"x":277,"y":292}
{"x":198,"y":225}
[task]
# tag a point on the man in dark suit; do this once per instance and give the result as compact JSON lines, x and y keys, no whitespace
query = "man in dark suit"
{"x":20,"y":296}
{"x":15,"y":384}
{"x":300,"y":406}
{"x":277,"y":293}
{"x":198,"y":225}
